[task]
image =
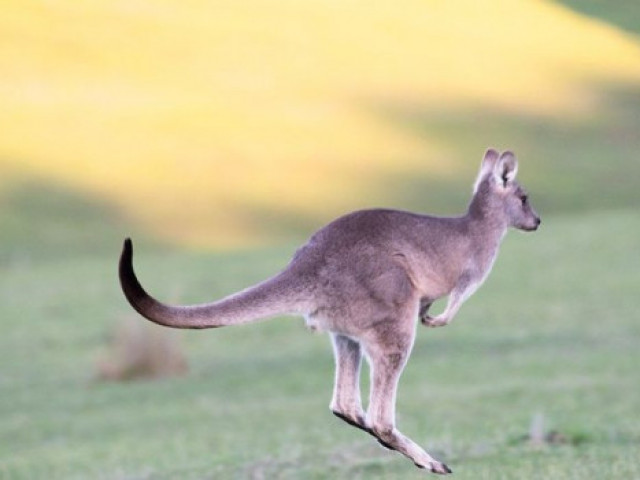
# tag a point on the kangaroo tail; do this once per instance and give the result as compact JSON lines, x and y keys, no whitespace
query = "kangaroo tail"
{"x":274,"y":296}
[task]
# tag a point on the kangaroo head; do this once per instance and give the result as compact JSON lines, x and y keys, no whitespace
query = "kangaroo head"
{"x":498,"y":195}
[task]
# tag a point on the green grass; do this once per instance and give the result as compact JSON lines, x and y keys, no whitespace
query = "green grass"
{"x":555,"y":330}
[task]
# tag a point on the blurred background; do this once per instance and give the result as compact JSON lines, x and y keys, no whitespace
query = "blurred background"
{"x":221,"y":134}
{"x":220,"y":125}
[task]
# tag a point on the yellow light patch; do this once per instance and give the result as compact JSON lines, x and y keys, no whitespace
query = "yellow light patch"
{"x":185,"y":115}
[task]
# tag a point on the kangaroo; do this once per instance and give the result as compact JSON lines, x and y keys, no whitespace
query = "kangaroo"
{"x":366,"y":278}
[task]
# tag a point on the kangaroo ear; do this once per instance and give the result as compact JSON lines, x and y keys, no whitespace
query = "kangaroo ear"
{"x":486,"y":167}
{"x":506,"y":168}
{"x":490,"y":157}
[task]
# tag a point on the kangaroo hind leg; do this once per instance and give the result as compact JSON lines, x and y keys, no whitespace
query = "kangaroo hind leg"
{"x":387,"y":360}
{"x":346,"y":403}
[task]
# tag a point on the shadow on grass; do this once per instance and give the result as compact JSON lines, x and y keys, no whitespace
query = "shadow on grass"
{"x":621,"y":13}
{"x":569,"y":165}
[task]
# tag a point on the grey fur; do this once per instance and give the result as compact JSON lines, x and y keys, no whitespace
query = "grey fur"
{"x":365,"y":278}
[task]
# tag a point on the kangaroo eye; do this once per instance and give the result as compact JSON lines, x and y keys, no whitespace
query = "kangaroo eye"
{"x":524,"y":199}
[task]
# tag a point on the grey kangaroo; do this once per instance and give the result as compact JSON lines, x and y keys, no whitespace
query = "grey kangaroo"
{"x":366,"y":278}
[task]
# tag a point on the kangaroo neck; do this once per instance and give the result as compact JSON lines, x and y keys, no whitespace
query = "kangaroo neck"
{"x":486,"y":228}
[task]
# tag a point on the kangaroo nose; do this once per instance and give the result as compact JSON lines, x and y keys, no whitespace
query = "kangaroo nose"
{"x":538,"y":222}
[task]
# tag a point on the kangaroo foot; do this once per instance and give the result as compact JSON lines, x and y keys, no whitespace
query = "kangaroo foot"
{"x":361,"y":424}
{"x":436,"y":467}
{"x":356,"y":421}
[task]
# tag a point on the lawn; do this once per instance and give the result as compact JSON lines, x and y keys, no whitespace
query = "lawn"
{"x":553,"y":333}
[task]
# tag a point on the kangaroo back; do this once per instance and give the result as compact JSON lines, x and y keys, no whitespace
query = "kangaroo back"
{"x":275,"y":296}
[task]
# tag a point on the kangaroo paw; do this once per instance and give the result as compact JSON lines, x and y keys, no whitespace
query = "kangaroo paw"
{"x":434,"y":321}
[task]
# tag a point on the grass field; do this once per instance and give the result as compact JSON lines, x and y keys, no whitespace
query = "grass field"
{"x":554,"y":332}
{"x":195,"y":126}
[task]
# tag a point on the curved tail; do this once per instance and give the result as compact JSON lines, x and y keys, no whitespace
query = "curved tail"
{"x":272,"y":297}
